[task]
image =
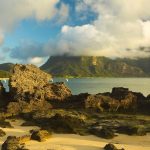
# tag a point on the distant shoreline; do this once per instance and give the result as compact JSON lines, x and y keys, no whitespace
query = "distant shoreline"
{"x":4,"y":78}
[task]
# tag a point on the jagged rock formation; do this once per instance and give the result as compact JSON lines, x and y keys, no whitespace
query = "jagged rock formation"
{"x":30,"y":89}
{"x":12,"y":143}
{"x":40,"y":135}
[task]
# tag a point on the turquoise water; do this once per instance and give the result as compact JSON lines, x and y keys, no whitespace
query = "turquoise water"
{"x":98,"y":85}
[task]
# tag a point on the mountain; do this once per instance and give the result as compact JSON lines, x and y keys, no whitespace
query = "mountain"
{"x":90,"y":66}
{"x":5,"y":70}
{"x":6,"y":66}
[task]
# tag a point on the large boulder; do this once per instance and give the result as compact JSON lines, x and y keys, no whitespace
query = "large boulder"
{"x":101,"y":103}
{"x":132,"y":130}
{"x":61,"y":121}
{"x":24,"y":81}
{"x":119,"y":93}
{"x":103,"y":132}
{"x":30,"y":89}
{"x":40,"y":135}
{"x":111,"y":147}
{"x":12,"y":143}
{"x":2,"y":133}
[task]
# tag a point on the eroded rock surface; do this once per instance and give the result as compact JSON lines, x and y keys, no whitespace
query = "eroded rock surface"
{"x":30,"y":89}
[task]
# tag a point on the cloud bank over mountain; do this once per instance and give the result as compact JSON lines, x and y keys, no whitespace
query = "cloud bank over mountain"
{"x":121,"y":28}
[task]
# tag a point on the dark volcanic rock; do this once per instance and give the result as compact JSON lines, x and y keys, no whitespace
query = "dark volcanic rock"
{"x":132,"y":130}
{"x":2,"y":133}
{"x":119,"y":93}
{"x":12,"y":143}
{"x":40,"y":135}
{"x":3,"y":97}
{"x":111,"y":147}
{"x":5,"y":124}
{"x":103,"y":132}
{"x":101,"y":103}
{"x":61,"y":121}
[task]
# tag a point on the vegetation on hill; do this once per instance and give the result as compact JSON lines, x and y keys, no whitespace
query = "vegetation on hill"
{"x":90,"y":66}
{"x":4,"y":74}
{"x":6,"y":66}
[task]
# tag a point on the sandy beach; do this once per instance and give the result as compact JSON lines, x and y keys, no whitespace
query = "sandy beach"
{"x":77,"y":142}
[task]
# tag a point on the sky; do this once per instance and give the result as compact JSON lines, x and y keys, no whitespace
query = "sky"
{"x":33,"y":30}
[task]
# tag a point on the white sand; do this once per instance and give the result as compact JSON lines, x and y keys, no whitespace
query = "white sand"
{"x":76,"y":142}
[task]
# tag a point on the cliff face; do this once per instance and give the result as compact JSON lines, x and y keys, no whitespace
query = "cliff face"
{"x":89,"y":66}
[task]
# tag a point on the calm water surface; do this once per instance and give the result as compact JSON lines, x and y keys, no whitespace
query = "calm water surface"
{"x":98,"y":85}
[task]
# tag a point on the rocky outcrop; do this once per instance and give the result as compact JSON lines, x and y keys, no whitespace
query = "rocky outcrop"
{"x":40,"y":135}
{"x":12,"y":143}
{"x":111,"y":147}
{"x":28,"y":83}
{"x":60,"y":121}
{"x":2,"y":133}
{"x":120,"y":99}
{"x":24,"y":81}
{"x":132,"y":130}
{"x":30,"y":90}
{"x":103,"y":132}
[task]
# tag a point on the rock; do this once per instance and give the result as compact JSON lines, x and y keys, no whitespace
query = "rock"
{"x":24,"y":138}
{"x":2,"y":89}
{"x":103,"y":132}
{"x":119,"y":93}
{"x":30,"y":90}
{"x":129,"y":103}
{"x":61,"y":121}
{"x":12,"y":143}
{"x":111,"y":147}
{"x":101,"y":103}
{"x":2,"y":133}
{"x":56,"y":91}
{"x":28,"y":123}
{"x":25,"y":79}
{"x":3,"y":96}
{"x":28,"y":82}
{"x":40,"y":135}
{"x":5,"y":124}
{"x":132,"y":130}
{"x":23,"y":107}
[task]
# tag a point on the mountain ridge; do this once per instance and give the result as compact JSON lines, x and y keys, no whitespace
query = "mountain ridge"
{"x":95,"y":66}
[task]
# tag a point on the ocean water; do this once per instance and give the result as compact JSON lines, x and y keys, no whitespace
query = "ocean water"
{"x":99,"y":85}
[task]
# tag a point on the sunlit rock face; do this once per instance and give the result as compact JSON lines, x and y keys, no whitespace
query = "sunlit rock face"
{"x":30,"y":89}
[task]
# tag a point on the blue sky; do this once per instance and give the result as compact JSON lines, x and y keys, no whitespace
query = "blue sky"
{"x":31,"y":31}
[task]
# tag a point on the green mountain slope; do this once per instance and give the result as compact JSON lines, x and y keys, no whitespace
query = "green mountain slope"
{"x":6,"y":66}
{"x":89,"y":66}
{"x":5,"y":70}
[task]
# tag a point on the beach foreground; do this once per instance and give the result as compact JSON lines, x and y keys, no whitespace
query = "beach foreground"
{"x":76,"y":142}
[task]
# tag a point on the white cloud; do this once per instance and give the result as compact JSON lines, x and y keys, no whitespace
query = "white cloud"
{"x":36,"y":60}
{"x":119,"y":26}
{"x":14,"y":11}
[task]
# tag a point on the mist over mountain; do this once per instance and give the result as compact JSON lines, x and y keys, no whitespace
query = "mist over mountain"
{"x":95,"y":66}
